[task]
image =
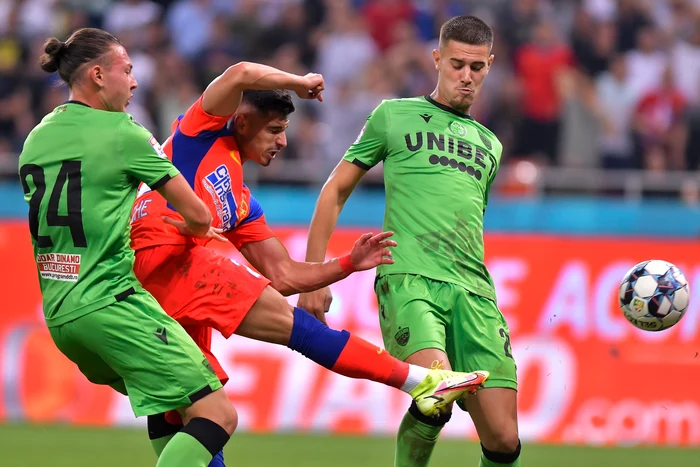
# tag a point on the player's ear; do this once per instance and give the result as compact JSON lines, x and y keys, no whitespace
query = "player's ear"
{"x":96,"y":74}
{"x":240,"y":124}
{"x":491,"y":57}
{"x":436,"y":59}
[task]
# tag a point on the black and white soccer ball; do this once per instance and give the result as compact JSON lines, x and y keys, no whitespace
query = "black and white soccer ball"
{"x":654,"y":295}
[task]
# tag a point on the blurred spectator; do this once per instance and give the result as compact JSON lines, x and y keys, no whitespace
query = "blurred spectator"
{"x":383,"y":16}
{"x":615,"y":107}
{"x":345,"y":46}
{"x":686,"y":55}
{"x":190,"y":24}
{"x":646,"y":63}
{"x":128,"y":15}
{"x":579,"y":127}
{"x":660,"y":126}
{"x":631,"y":18}
{"x":539,"y":63}
{"x":291,"y":30}
{"x":518,"y":20}
{"x":593,"y":44}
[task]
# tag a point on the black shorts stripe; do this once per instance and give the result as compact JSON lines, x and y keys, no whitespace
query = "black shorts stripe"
{"x":205,"y":391}
{"x":122,"y":296}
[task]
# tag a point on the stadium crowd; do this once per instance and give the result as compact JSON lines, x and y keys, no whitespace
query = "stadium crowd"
{"x":576,"y":83}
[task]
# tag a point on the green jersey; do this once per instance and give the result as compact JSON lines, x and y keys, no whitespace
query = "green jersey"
{"x":80,"y":169}
{"x":438,"y":168}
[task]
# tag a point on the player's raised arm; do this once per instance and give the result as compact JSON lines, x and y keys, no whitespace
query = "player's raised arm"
{"x":367,"y":151}
{"x":223,"y":96}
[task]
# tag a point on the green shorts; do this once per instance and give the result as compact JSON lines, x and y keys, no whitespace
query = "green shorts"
{"x":417,"y":313}
{"x":135,"y":347}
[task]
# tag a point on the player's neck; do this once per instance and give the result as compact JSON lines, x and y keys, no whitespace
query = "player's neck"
{"x":90,"y":99}
{"x":440,"y":99}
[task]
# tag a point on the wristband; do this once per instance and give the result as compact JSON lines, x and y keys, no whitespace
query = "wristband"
{"x":346,"y":264}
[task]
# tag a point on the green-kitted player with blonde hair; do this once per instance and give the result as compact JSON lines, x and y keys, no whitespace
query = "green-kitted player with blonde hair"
{"x":437,"y":302}
{"x":80,"y":169}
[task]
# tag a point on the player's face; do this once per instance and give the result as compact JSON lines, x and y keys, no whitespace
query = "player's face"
{"x":260,"y":138}
{"x":116,"y":81}
{"x":462,"y":69}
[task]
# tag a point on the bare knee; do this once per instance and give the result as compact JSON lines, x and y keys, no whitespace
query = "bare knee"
{"x":215,"y":407}
{"x":502,"y":440}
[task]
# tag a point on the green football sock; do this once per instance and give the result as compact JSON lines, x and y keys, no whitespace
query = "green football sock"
{"x":184,"y":450}
{"x":416,"y":438}
{"x":159,"y":443}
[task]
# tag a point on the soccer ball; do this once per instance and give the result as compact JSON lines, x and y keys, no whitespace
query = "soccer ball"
{"x":654,"y":295}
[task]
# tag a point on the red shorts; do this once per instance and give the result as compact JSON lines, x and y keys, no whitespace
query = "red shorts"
{"x":201,"y":289}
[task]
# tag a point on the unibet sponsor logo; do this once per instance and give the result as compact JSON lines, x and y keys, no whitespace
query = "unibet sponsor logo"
{"x":469,"y":159}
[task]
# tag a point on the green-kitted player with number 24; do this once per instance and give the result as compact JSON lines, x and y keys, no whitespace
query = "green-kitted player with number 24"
{"x":80,"y":169}
{"x":437,"y":302}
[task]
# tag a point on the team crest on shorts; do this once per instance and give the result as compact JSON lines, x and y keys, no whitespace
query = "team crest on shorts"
{"x":402,"y":336}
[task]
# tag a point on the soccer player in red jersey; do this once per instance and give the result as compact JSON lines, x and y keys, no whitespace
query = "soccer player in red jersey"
{"x":242,"y":116}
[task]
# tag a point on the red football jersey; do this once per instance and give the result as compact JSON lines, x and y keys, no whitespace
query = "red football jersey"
{"x":203,"y":148}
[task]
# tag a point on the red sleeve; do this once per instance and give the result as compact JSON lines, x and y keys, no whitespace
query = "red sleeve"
{"x":254,"y":231}
{"x":197,"y":120}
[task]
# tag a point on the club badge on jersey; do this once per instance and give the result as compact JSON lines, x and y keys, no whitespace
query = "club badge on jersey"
{"x":218,"y":184}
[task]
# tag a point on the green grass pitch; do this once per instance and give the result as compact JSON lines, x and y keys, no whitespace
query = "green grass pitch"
{"x":59,"y":446}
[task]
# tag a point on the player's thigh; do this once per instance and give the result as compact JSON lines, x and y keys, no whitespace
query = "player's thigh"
{"x":494,"y":412}
{"x":205,"y":288}
{"x":408,"y":315}
{"x":160,"y":364}
{"x":270,"y":319}
{"x":478,"y":339}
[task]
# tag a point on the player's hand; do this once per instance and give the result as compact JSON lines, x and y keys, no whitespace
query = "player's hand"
{"x":310,"y":86}
{"x":212,"y":233}
{"x":316,"y":303}
{"x":372,"y":250}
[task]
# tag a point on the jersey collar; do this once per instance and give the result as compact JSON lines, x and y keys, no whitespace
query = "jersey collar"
{"x":447,"y":108}
{"x":77,"y":102}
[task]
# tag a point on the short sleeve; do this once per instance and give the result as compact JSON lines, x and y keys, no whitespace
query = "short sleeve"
{"x":144,"y":159}
{"x":370,"y":147}
{"x":196,"y":120}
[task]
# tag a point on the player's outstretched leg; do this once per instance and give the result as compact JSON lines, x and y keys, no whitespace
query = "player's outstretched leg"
{"x":273,"y":320}
{"x":417,"y":434}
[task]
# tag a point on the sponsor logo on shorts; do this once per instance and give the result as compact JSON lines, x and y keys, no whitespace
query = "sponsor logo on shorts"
{"x":59,"y":266}
{"x":402,"y":336}
{"x":218,"y":184}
